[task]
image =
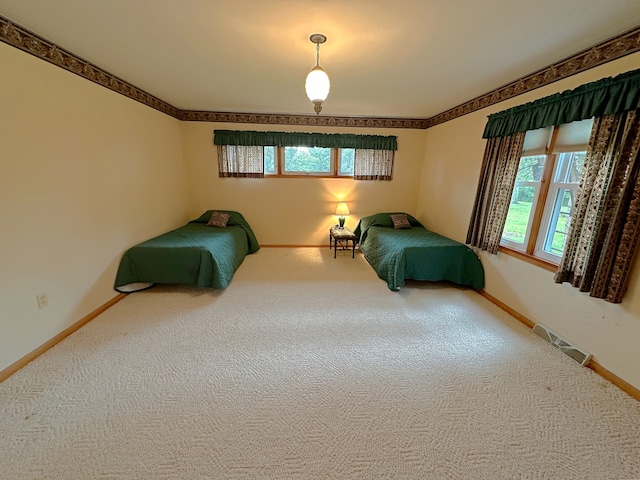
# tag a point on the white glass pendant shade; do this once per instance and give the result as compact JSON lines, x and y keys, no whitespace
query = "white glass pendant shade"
{"x":317,"y":85}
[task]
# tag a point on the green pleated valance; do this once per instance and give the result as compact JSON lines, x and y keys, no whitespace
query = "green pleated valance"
{"x":604,"y":97}
{"x":298,"y":139}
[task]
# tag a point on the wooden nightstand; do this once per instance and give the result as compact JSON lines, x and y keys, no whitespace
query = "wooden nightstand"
{"x":340,"y":235}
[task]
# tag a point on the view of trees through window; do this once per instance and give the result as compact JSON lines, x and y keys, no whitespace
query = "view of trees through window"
{"x":307,"y":159}
{"x":563,"y":188}
{"x":527,"y":185}
{"x":270,"y":160}
{"x":563,"y":191}
{"x":310,"y":160}
{"x":346,"y":161}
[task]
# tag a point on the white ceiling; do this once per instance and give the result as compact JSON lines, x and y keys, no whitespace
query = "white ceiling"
{"x":402,"y":58}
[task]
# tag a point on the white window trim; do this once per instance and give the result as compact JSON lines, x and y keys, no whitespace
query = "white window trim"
{"x":547,"y":216}
{"x":522,"y":247}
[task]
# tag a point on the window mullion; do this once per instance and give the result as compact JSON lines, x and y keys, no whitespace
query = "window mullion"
{"x":280,"y":159}
{"x":545,"y":182}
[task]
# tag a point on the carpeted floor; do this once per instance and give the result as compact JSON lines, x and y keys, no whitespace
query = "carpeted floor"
{"x":309,"y":367}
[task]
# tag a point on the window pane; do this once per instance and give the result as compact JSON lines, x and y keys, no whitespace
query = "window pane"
{"x":515,"y":228}
{"x":569,"y":167}
{"x":270,"y":160}
{"x":528,"y":178}
{"x":559,"y":224}
{"x":307,"y":159}
{"x":346,"y":161}
{"x":530,"y":168}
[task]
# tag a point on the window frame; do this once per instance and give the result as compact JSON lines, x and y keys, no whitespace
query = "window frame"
{"x":553,"y":208}
{"x":532,"y":249}
{"x":538,"y":186}
{"x":335,"y":165}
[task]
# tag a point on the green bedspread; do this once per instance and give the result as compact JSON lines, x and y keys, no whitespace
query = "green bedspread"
{"x":194,"y":254}
{"x":416,"y":253}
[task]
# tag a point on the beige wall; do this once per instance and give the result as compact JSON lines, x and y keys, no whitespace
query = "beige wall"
{"x":84,"y":174}
{"x":448,"y":183}
{"x":298,"y":211}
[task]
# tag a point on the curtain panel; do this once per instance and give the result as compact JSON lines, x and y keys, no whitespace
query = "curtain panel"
{"x":240,"y":161}
{"x":608,"y":96}
{"x":372,"y":164}
{"x":495,"y":187}
{"x":605,"y":226}
{"x":298,"y":139}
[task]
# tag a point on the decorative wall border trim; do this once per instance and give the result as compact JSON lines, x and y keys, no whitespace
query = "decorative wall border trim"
{"x":611,"y":49}
{"x":29,"y":42}
{"x":313,"y":120}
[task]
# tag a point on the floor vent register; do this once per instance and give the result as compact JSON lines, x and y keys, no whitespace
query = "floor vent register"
{"x":557,"y":341}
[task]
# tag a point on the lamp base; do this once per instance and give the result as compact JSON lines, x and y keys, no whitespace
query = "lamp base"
{"x":341,"y":222}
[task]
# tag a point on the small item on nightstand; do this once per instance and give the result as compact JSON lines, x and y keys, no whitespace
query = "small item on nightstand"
{"x":342,"y":211}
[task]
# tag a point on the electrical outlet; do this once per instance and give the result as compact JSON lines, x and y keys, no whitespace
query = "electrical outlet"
{"x":42,"y":300}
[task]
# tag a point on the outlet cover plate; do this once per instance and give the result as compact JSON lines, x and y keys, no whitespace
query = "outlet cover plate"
{"x":42,"y":300}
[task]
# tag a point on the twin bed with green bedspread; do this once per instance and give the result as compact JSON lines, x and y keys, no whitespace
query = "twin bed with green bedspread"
{"x":194,"y":254}
{"x":208,"y":256}
{"x":416,"y":253}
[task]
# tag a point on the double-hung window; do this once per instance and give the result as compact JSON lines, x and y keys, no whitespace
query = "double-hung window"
{"x":545,"y":190}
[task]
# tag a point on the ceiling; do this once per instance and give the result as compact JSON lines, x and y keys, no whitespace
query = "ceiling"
{"x":406,"y":58}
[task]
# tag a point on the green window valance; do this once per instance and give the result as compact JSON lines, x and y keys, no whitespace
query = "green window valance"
{"x":298,"y":139}
{"x":608,"y":96}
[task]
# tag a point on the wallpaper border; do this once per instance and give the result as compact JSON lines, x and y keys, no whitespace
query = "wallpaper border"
{"x":23,"y":39}
{"x":603,"y":52}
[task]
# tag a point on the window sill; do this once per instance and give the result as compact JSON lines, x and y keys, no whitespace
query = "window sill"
{"x":538,"y":262}
{"x":309,"y":175}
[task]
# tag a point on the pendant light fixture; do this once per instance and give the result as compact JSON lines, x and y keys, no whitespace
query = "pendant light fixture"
{"x":317,"y":84}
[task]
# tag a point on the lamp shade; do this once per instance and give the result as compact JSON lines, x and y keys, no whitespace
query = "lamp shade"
{"x":342,"y":210}
{"x":317,"y":84}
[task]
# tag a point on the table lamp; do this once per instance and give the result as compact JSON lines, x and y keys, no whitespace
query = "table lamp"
{"x":342,"y":211}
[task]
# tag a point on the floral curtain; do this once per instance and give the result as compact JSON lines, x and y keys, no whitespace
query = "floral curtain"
{"x":240,"y":161}
{"x":497,"y":177}
{"x":605,"y":225}
{"x":372,"y":164}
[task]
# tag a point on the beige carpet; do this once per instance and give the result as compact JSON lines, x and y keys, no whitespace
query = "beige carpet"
{"x":309,"y":367}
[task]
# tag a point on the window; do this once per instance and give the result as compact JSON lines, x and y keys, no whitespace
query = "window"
{"x":311,"y":161}
{"x":345,"y":161}
{"x":525,"y":194}
{"x":545,"y":190}
{"x":245,"y":153}
{"x":307,"y":160}
{"x":270,"y":161}
{"x":563,"y":192}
